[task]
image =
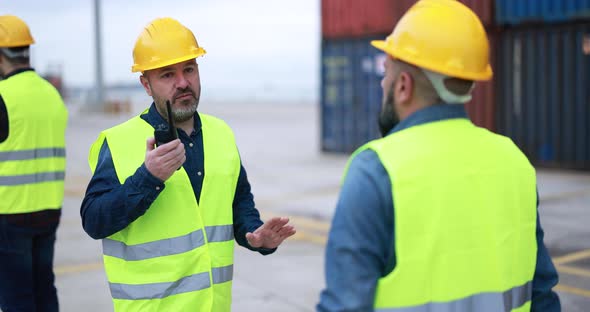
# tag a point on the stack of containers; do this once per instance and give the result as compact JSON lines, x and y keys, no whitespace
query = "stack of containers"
{"x":543,"y":79}
{"x":351,"y":69}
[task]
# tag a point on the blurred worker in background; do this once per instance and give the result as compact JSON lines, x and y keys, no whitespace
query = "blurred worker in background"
{"x":168,"y":215}
{"x":438,"y":215}
{"x":33,"y":121}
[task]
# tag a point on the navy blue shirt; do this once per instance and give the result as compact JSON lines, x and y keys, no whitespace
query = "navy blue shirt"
{"x":109,"y":206}
{"x":361,"y":247}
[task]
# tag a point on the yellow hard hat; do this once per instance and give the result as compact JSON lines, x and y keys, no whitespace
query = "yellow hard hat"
{"x":164,"y":42}
{"x":14,"y":32}
{"x":443,"y":36}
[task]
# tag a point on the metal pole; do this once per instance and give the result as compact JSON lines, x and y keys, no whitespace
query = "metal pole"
{"x":98,"y":54}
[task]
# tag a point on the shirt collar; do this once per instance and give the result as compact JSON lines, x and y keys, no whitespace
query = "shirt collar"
{"x":18,"y":71}
{"x":431,"y":114}
{"x":154,"y":118}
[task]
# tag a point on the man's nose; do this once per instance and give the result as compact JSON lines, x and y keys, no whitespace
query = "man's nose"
{"x":181,"y":81}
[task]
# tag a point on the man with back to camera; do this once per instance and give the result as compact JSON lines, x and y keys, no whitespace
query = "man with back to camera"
{"x":33,"y":121}
{"x":438,"y":215}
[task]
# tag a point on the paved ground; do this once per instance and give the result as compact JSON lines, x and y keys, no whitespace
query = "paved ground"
{"x":279,"y":147}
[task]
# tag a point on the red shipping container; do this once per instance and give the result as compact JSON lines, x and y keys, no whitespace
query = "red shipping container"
{"x":355,"y":18}
{"x":482,"y":108}
{"x":483,"y":8}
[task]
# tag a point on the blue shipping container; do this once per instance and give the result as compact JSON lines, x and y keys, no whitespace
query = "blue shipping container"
{"x":336,"y":92}
{"x":351,"y":73}
{"x":513,"y":12}
{"x":543,"y":75}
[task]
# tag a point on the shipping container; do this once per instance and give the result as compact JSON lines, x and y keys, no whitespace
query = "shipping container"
{"x":353,"y":18}
{"x":368,"y":94}
{"x":337,"y":87}
{"x":484,"y":9}
{"x":358,"y":19}
{"x":482,"y":107}
{"x":543,"y":76}
{"x":350,"y":94}
{"x":515,"y":12}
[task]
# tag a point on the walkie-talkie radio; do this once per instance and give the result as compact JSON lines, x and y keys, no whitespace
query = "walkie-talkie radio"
{"x":166,"y":132}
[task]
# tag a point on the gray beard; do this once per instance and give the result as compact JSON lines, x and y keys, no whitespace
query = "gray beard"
{"x":180,"y":115}
{"x":185,"y":113}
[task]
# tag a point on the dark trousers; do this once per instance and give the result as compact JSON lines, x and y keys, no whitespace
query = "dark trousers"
{"x":26,"y":261}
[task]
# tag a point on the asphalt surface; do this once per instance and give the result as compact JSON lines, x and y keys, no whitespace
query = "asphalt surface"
{"x":290,"y":177}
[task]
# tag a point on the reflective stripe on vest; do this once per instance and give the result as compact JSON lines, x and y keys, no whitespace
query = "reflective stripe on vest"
{"x":32,"y":158}
{"x":222,"y":274}
{"x":178,"y":247}
{"x":484,"y":302}
{"x":164,"y":247}
{"x":220,"y":233}
{"x":168,"y":246}
{"x":32,"y":178}
{"x":162,"y":290}
{"x":465,"y":215}
{"x":33,"y":154}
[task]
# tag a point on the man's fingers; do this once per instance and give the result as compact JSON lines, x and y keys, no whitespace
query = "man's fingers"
{"x":174,"y":163}
{"x":269,"y":224}
{"x":284,"y":237}
{"x":254,"y":240}
{"x":173,"y":155}
{"x":280,"y":224}
{"x":150,"y":144}
{"x":169,"y":151}
{"x":283,"y":221}
{"x":286,"y":230}
{"x":276,"y":223}
{"x":167,"y":147}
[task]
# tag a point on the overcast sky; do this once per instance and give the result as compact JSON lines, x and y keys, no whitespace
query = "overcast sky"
{"x":252,"y":45}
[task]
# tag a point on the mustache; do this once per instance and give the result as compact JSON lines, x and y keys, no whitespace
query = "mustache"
{"x":182,"y":92}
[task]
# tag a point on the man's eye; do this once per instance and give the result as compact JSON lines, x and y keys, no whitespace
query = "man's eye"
{"x":167,"y":75}
{"x":189,"y":69}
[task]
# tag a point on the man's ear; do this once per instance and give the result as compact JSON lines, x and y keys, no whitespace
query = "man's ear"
{"x":404,"y":88}
{"x":146,"y":84}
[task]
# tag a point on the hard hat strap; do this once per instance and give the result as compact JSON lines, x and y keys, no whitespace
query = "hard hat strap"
{"x":447,"y":96}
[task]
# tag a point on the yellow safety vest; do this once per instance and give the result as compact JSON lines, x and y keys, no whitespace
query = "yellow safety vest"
{"x":32,"y":159}
{"x":178,"y":256}
{"x":465,"y":220}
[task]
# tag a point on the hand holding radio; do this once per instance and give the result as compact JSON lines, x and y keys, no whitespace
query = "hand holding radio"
{"x":165,"y":133}
{"x":169,"y":155}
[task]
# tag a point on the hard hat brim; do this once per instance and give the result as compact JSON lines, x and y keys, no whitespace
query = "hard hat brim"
{"x":137,"y":68}
{"x":481,"y":76}
{"x":379,"y":44}
{"x":19,"y":44}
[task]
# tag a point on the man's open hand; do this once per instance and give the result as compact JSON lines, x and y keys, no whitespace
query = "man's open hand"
{"x":271,"y":234}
